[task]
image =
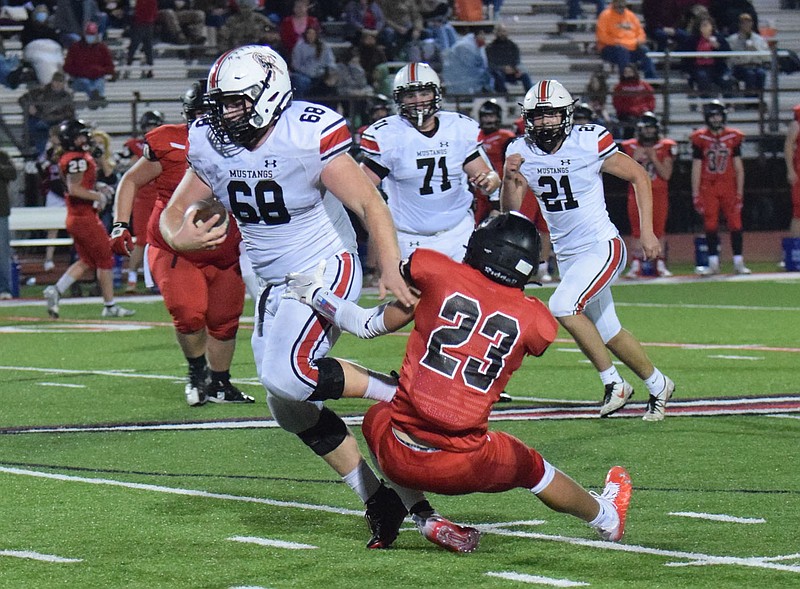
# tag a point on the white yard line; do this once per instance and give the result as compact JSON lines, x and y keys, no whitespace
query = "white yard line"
{"x":535,"y":579}
{"x":38,"y":556}
{"x":61,"y":384}
{"x":272,"y":543}
{"x":718,"y":517}
{"x":692,"y":557}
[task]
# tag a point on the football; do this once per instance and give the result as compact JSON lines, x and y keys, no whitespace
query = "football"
{"x":205,"y":209}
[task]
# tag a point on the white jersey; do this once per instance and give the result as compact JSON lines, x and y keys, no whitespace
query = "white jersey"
{"x":287,"y":220}
{"x":423,"y":176}
{"x":569,"y":187}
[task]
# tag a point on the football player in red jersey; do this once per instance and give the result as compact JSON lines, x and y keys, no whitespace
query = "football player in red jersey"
{"x":84,"y":200}
{"x":494,"y":139}
{"x":656,"y":155}
{"x":471,"y":332}
{"x":791,"y":153}
{"x":145,"y":198}
{"x":203,"y":291}
{"x":718,"y":184}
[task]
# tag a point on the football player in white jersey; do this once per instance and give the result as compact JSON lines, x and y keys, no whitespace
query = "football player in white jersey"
{"x":426,"y":158}
{"x":282,"y":168}
{"x":563,"y":167}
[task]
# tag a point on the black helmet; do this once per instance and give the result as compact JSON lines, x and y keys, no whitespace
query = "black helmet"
{"x":582,"y":114}
{"x":505,"y":249}
{"x":715,"y":107}
{"x":490,"y":116}
{"x":647,"y":129}
{"x":70,"y":130}
{"x":150,"y":120}
{"x":380,"y":102}
{"x":194,"y":101}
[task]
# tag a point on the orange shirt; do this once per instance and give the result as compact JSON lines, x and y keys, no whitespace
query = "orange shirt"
{"x":623,"y":29}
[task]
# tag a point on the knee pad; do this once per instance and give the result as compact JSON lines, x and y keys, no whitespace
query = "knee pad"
{"x":330,"y":380}
{"x":293,"y":416}
{"x":327,"y":435}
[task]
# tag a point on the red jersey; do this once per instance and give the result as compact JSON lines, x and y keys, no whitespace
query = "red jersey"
{"x":133,"y":147}
{"x":168,"y":145}
{"x":494,"y":144}
{"x":717,"y":151}
{"x":664,"y":148}
{"x":470,"y":334}
{"x":76,"y":162}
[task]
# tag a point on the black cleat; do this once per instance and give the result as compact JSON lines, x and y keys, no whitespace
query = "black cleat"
{"x":385,"y":514}
{"x":226,"y":392}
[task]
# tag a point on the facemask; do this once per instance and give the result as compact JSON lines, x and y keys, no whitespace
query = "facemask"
{"x":40,"y":16}
{"x":91,"y":39}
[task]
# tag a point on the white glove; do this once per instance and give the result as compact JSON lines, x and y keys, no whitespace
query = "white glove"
{"x":301,"y":287}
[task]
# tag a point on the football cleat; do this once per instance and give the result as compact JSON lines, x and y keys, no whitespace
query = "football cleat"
{"x":615,"y":397}
{"x":617,"y":493}
{"x":741,"y":269}
{"x":385,"y":514}
{"x":116,"y":311}
{"x":52,"y":296}
{"x":446,"y":534}
{"x":635,"y":269}
{"x":195,"y":390}
{"x":662,"y":270}
{"x":225,"y":392}
{"x":656,"y":406}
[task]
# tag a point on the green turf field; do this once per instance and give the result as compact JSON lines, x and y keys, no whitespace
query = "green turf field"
{"x":109,"y":480}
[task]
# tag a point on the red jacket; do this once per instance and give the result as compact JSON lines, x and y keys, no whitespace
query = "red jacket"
{"x":632,"y":98}
{"x":90,"y":61}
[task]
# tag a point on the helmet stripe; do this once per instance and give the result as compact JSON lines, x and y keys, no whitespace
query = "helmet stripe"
{"x":543,"y":90}
{"x":212,"y":75}
{"x":412,"y":73}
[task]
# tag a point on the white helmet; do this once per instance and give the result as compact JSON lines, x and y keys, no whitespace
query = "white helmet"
{"x":545,"y":98}
{"x":252,"y":72}
{"x":412,"y":77}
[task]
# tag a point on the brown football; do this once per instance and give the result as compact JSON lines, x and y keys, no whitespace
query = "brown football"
{"x":207,"y":208}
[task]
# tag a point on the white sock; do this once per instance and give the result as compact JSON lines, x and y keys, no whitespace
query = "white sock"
{"x":64,"y":283}
{"x":380,"y":387}
{"x":132,"y":276}
{"x":608,"y":516}
{"x":109,"y":304}
{"x":713,"y":261}
{"x":362,"y":480}
{"x":656,"y":382}
{"x":611,"y":375}
{"x":738,"y":261}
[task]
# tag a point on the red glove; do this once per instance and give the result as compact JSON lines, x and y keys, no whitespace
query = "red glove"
{"x":121,"y":239}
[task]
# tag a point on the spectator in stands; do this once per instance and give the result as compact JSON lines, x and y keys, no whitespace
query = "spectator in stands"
{"x":504,"y":61}
{"x":426,"y":50}
{"x":362,"y":14}
{"x":353,"y":84}
{"x":662,"y":19}
{"x":88,"y":62}
{"x":9,"y":68}
{"x":574,"y":10}
{"x":632,"y":97}
{"x":40,"y":44}
{"x":180,"y":23}
{"x":708,"y":75}
{"x":749,"y":70}
{"x":435,"y":15}
{"x":466,"y":69}
{"x":45,"y":107}
{"x":71,"y":17}
{"x":492,"y":8}
{"x":621,"y":38}
{"x":293,"y":26}
{"x":217,"y":12}
{"x":8,"y":173}
{"x":118,"y":12}
{"x":726,"y":14}
{"x":403,"y":25}
{"x":142,"y":32}
{"x":244,"y":27}
{"x":312,"y":61}
{"x":373,"y":60}
{"x":52,"y":189}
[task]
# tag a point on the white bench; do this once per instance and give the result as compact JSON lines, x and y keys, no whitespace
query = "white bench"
{"x":38,"y":219}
